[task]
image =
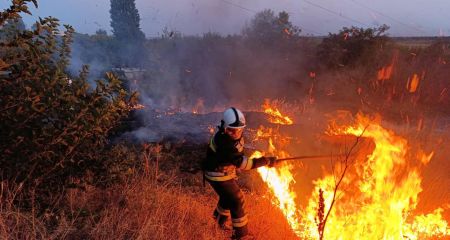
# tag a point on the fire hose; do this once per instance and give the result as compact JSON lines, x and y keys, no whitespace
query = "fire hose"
{"x":312,"y":157}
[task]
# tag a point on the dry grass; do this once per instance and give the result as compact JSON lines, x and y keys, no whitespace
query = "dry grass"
{"x":148,"y":211}
{"x":164,"y":204}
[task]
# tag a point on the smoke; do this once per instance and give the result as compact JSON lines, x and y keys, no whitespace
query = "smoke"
{"x":182,"y":75}
{"x":215,"y":72}
{"x":203,"y":73}
{"x":90,"y":55}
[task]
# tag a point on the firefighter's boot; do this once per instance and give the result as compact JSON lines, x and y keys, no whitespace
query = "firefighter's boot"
{"x":223,"y":221}
{"x":241,"y":233}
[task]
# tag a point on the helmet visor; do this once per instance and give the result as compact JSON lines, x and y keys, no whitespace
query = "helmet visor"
{"x":237,"y":124}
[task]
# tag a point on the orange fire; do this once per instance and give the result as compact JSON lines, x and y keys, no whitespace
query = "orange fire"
{"x":211,"y":129}
{"x":384,"y":192}
{"x":385,"y":73}
{"x":279,"y":179}
{"x":376,"y":197}
{"x":275,"y":115}
{"x":413,"y":83}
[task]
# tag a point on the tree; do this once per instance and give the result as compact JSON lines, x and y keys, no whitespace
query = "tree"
{"x":125,"y":20}
{"x":267,"y":29}
{"x":128,"y":35}
{"x":55,"y":127}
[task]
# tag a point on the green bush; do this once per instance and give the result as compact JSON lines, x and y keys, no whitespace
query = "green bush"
{"x":54,"y":127}
{"x":352,"y":46}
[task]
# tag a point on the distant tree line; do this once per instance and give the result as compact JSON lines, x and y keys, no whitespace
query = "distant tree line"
{"x":268,"y":59}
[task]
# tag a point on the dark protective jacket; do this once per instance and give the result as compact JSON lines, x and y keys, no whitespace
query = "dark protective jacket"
{"x":224,"y":155}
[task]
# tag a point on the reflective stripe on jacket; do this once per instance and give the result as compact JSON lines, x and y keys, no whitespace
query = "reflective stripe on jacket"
{"x":220,"y":176}
{"x":223,"y":164}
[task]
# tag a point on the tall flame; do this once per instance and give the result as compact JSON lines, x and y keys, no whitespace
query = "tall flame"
{"x":279,"y":179}
{"x":385,"y":191}
{"x":375,"y":200}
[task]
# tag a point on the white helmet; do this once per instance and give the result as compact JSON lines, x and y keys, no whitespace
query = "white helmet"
{"x":233,"y":118}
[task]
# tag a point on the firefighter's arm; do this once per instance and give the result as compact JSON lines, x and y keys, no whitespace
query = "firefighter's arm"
{"x":252,"y":163}
{"x":264,"y":161}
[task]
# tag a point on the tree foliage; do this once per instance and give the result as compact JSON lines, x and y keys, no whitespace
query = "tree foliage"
{"x":127,"y":33}
{"x":267,"y":28}
{"x":125,"y":20}
{"x":54,"y":126}
{"x":352,"y":45}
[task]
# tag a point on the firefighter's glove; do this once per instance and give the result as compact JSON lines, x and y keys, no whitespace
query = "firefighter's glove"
{"x":272,"y":161}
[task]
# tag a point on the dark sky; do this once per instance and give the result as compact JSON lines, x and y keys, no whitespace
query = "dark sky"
{"x":318,"y":17}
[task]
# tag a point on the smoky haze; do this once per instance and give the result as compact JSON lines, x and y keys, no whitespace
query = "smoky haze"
{"x":268,"y":59}
{"x":195,"y":17}
{"x":218,"y":72}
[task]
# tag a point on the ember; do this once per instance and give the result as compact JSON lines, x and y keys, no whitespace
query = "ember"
{"x":385,"y":73}
{"x":412,"y":83}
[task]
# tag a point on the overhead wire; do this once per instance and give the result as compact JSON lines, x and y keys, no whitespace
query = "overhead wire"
{"x":387,"y":16}
{"x":239,"y":6}
{"x":254,"y":11}
{"x":335,"y":13}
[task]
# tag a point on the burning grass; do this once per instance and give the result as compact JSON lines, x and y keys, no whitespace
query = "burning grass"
{"x":160,"y":201}
{"x":164,"y":197}
{"x":370,"y":195}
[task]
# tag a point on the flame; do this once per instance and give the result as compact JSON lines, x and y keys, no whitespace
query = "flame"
{"x":430,"y":225}
{"x":377,"y":195}
{"x":287,"y":31}
{"x":384,"y":192}
{"x":275,"y":115}
{"x":278,"y":179}
{"x":199,"y":106}
{"x":413,"y":83}
{"x":211,"y":129}
{"x":385,"y":73}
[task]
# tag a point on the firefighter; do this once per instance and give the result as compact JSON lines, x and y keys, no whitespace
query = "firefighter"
{"x":224,"y":155}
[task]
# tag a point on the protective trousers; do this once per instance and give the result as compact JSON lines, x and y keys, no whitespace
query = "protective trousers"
{"x":231,"y":200}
